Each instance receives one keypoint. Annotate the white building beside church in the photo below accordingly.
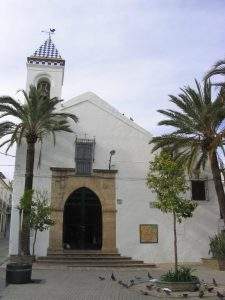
(102, 207)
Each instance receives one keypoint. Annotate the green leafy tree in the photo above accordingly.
(32, 120)
(40, 215)
(198, 132)
(166, 177)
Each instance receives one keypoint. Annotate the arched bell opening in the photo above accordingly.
(82, 221)
(44, 86)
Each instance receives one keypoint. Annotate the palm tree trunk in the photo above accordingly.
(25, 234)
(175, 241)
(218, 184)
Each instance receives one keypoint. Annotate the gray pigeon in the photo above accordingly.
(219, 295)
(144, 293)
(113, 277)
(101, 278)
(214, 282)
(201, 294)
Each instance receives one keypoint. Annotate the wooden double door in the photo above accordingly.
(82, 221)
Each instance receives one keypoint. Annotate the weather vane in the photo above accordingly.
(49, 32)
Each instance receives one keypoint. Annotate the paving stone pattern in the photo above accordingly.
(82, 284)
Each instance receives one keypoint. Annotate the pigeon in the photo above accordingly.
(113, 277)
(201, 294)
(125, 285)
(185, 295)
(153, 280)
(219, 295)
(149, 287)
(214, 282)
(101, 278)
(167, 291)
(149, 276)
(210, 289)
(144, 293)
(132, 281)
(120, 282)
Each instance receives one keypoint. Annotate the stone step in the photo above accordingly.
(89, 261)
(96, 264)
(82, 257)
(82, 252)
(93, 258)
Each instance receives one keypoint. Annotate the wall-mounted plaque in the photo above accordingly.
(148, 233)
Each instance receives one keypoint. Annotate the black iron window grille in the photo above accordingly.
(84, 156)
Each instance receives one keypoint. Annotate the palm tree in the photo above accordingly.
(217, 69)
(199, 131)
(35, 119)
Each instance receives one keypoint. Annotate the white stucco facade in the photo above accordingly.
(113, 131)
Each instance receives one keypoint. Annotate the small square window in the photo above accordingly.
(198, 190)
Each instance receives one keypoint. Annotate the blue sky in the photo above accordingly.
(132, 53)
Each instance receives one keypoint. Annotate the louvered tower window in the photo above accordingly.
(44, 86)
(84, 156)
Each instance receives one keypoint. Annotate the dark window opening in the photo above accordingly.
(84, 156)
(198, 190)
(44, 86)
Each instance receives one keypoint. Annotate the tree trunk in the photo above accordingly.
(35, 237)
(218, 184)
(25, 234)
(19, 242)
(175, 241)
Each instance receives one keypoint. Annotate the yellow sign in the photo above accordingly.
(148, 233)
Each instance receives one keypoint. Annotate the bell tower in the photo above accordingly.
(45, 69)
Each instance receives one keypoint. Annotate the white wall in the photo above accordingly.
(133, 152)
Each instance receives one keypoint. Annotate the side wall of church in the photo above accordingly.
(133, 153)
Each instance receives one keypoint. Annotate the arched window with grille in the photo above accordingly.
(44, 86)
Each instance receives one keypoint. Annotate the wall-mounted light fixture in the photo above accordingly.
(111, 153)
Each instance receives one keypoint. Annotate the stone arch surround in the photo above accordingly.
(102, 183)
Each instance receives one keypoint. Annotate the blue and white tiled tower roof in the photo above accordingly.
(47, 54)
(48, 50)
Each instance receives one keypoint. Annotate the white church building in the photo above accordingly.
(96, 182)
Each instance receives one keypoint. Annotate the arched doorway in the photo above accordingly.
(82, 221)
